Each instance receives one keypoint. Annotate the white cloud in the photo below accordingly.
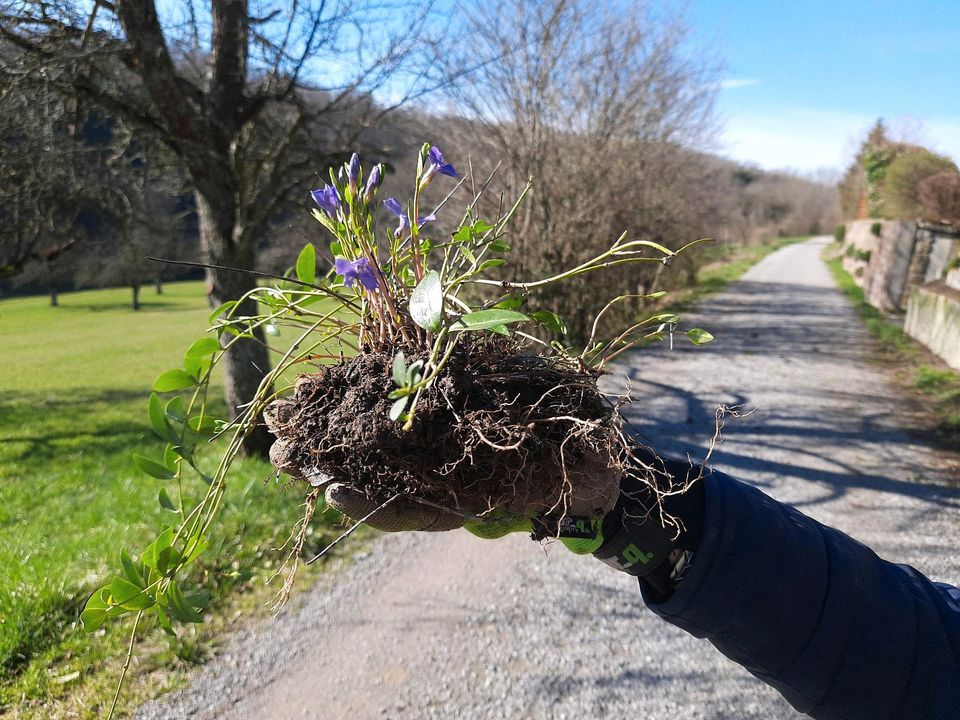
(732, 83)
(804, 139)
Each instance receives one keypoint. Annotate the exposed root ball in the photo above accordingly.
(497, 430)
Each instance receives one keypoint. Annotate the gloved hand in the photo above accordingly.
(652, 540)
(406, 513)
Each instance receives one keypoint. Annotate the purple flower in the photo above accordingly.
(353, 270)
(327, 198)
(395, 208)
(353, 171)
(373, 182)
(437, 163)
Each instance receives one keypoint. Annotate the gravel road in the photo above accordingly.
(448, 626)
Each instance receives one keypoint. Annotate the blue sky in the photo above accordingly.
(805, 78)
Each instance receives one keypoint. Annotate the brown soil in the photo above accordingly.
(497, 430)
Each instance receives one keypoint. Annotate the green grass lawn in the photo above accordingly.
(74, 386)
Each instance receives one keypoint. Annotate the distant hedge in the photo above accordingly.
(903, 180)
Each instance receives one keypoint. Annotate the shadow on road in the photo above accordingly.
(768, 355)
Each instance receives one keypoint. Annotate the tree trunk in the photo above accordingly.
(135, 289)
(247, 361)
(54, 298)
(159, 286)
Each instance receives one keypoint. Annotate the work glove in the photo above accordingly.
(646, 533)
(580, 517)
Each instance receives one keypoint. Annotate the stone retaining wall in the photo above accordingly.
(903, 255)
(933, 318)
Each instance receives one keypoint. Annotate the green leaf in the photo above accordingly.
(171, 458)
(173, 380)
(153, 468)
(396, 410)
(176, 410)
(499, 246)
(195, 545)
(426, 302)
(413, 373)
(468, 255)
(203, 424)
(164, 621)
(512, 303)
(126, 594)
(199, 599)
(551, 320)
(663, 318)
(487, 264)
(95, 611)
(165, 502)
(500, 330)
(224, 307)
(307, 264)
(133, 571)
(399, 369)
(698, 336)
(336, 248)
(482, 226)
(197, 365)
(150, 555)
(202, 347)
(179, 606)
(486, 319)
(462, 235)
(158, 420)
(167, 558)
(398, 393)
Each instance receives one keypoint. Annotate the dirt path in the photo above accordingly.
(447, 626)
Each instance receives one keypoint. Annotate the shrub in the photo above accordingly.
(904, 176)
(863, 255)
(839, 233)
(876, 229)
(939, 197)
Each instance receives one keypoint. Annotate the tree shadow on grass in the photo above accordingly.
(145, 306)
(38, 429)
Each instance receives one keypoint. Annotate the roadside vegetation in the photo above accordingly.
(917, 369)
(73, 400)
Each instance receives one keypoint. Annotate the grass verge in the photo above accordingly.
(917, 369)
(73, 396)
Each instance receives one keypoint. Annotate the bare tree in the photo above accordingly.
(594, 101)
(225, 87)
(42, 190)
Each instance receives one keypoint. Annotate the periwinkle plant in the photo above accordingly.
(395, 291)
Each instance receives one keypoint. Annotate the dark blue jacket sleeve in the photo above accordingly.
(839, 632)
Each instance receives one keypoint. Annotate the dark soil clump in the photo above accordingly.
(497, 430)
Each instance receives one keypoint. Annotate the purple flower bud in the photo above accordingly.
(354, 270)
(327, 198)
(373, 182)
(438, 164)
(353, 171)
